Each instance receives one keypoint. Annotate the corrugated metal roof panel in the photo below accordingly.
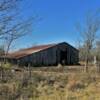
(28, 51)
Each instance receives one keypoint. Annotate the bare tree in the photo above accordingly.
(18, 31)
(7, 15)
(11, 27)
(88, 32)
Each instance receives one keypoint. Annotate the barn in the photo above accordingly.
(46, 55)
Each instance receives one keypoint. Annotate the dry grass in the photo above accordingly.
(52, 84)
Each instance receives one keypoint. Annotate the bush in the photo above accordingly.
(7, 65)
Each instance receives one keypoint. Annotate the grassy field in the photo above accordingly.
(68, 83)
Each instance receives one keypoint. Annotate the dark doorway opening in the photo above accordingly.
(63, 57)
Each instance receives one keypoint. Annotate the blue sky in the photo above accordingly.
(59, 18)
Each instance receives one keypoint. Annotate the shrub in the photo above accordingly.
(7, 65)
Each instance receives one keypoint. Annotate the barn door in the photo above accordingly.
(63, 57)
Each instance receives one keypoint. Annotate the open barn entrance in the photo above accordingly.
(63, 57)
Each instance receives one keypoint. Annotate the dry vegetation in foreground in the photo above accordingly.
(51, 84)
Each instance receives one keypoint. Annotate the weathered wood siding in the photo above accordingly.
(45, 57)
(52, 56)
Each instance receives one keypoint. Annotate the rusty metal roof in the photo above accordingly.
(34, 49)
(28, 51)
